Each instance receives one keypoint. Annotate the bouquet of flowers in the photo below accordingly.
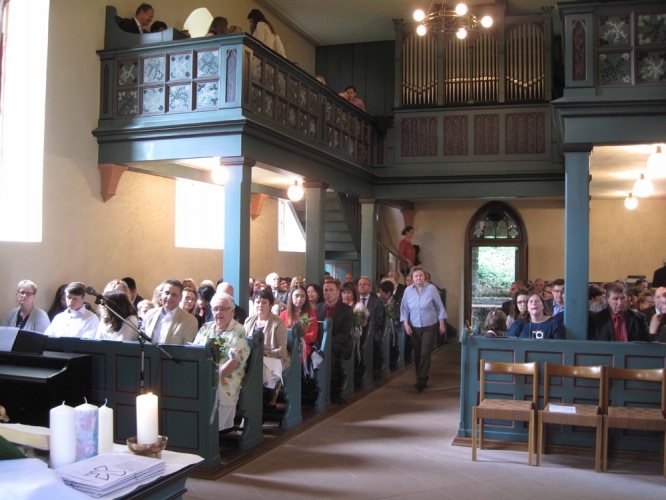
(303, 326)
(392, 310)
(218, 354)
(360, 319)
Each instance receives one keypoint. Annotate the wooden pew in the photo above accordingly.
(367, 345)
(400, 339)
(251, 400)
(323, 374)
(347, 375)
(292, 380)
(385, 349)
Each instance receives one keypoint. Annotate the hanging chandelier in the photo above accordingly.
(459, 21)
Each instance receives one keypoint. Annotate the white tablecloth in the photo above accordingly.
(31, 479)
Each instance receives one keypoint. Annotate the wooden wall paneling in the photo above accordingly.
(359, 69)
(375, 78)
(333, 67)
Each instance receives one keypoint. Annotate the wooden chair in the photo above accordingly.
(645, 419)
(506, 409)
(586, 415)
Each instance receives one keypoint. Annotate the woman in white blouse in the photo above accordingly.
(263, 31)
(110, 326)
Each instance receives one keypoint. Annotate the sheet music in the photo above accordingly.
(562, 409)
(7, 337)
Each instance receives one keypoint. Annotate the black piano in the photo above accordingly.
(32, 384)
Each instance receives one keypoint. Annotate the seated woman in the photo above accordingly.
(27, 316)
(275, 340)
(142, 308)
(297, 280)
(110, 326)
(538, 324)
(495, 324)
(119, 285)
(231, 357)
(315, 294)
(298, 306)
(157, 296)
(189, 301)
(219, 26)
(59, 302)
(517, 308)
(204, 311)
(190, 283)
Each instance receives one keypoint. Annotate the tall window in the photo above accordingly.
(22, 111)
(291, 237)
(495, 256)
(199, 215)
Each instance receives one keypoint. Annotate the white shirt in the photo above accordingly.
(125, 333)
(162, 325)
(139, 25)
(81, 323)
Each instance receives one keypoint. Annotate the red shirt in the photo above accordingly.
(331, 310)
(407, 251)
(619, 327)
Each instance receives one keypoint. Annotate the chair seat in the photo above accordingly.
(586, 415)
(646, 419)
(505, 409)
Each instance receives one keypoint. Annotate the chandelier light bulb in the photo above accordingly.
(643, 187)
(219, 175)
(486, 21)
(421, 30)
(419, 15)
(461, 33)
(630, 202)
(295, 192)
(461, 9)
(656, 164)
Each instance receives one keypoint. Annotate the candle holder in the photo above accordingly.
(148, 450)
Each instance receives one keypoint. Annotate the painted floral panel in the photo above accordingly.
(304, 123)
(152, 100)
(255, 99)
(313, 103)
(615, 69)
(651, 67)
(282, 113)
(329, 111)
(180, 66)
(269, 106)
(208, 95)
(154, 69)
(256, 69)
(293, 90)
(313, 128)
(128, 73)
(208, 63)
(292, 118)
(180, 98)
(651, 29)
(304, 98)
(614, 31)
(127, 102)
(282, 84)
(269, 77)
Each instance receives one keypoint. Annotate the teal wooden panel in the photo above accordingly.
(125, 421)
(182, 428)
(98, 375)
(128, 373)
(180, 380)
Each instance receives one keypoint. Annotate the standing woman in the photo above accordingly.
(424, 317)
(27, 316)
(298, 306)
(406, 250)
(263, 31)
(275, 336)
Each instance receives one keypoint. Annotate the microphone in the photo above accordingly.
(98, 296)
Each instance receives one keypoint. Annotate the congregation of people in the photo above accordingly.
(617, 312)
(260, 29)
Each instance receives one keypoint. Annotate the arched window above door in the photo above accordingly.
(495, 222)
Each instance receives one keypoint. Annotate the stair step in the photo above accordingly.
(333, 217)
(332, 205)
(339, 236)
(335, 246)
(336, 226)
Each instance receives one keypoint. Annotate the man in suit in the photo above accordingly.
(617, 322)
(342, 317)
(651, 311)
(273, 280)
(659, 278)
(556, 304)
(375, 306)
(169, 324)
(131, 284)
(140, 22)
(399, 287)
(240, 315)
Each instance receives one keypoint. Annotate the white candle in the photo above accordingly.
(146, 419)
(86, 431)
(105, 435)
(63, 435)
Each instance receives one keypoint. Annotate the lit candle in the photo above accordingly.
(86, 431)
(63, 435)
(105, 436)
(146, 419)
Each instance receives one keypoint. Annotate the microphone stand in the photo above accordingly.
(141, 337)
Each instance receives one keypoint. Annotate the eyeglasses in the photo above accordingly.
(221, 309)
(27, 294)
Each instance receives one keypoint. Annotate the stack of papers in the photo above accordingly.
(104, 474)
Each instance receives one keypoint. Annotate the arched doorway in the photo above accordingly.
(495, 255)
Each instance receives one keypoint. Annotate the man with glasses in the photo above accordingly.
(27, 316)
(76, 320)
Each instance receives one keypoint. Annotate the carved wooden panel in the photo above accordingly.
(579, 59)
(486, 134)
(455, 135)
(418, 136)
(526, 133)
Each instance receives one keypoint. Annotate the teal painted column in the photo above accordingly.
(576, 239)
(369, 240)
(237, 194)
(315, 231)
